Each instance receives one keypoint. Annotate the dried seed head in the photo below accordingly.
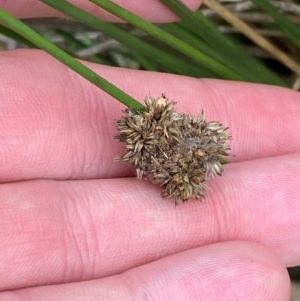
(172, 149)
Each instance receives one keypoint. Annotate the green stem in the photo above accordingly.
(292, 30)
(168, 39)
(11, 34)
(173, 62)
(32, 36)
(233, 56)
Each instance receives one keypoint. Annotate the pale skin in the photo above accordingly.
(74, 225)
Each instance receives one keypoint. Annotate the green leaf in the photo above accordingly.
(233, 55)
(171, 61)
(291, 29)
(144, 62)
(167, 38)
(181, 31)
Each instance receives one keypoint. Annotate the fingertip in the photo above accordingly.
(224, 271)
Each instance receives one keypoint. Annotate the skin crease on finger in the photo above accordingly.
(152, 10)
(65, 231)
(55, 124)
(224, 271)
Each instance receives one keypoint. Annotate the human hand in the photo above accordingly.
(70, 217)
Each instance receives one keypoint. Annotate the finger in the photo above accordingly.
(152, 10)
(55, 124)
(224, 271)
(56, 232)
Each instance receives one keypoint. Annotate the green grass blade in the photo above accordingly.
(292, 30)
(144, 62)
(170, 61)
(235, 56)
(168, 39)
(182, 32)
(32, 36)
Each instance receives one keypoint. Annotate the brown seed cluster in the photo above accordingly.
(175, 150)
